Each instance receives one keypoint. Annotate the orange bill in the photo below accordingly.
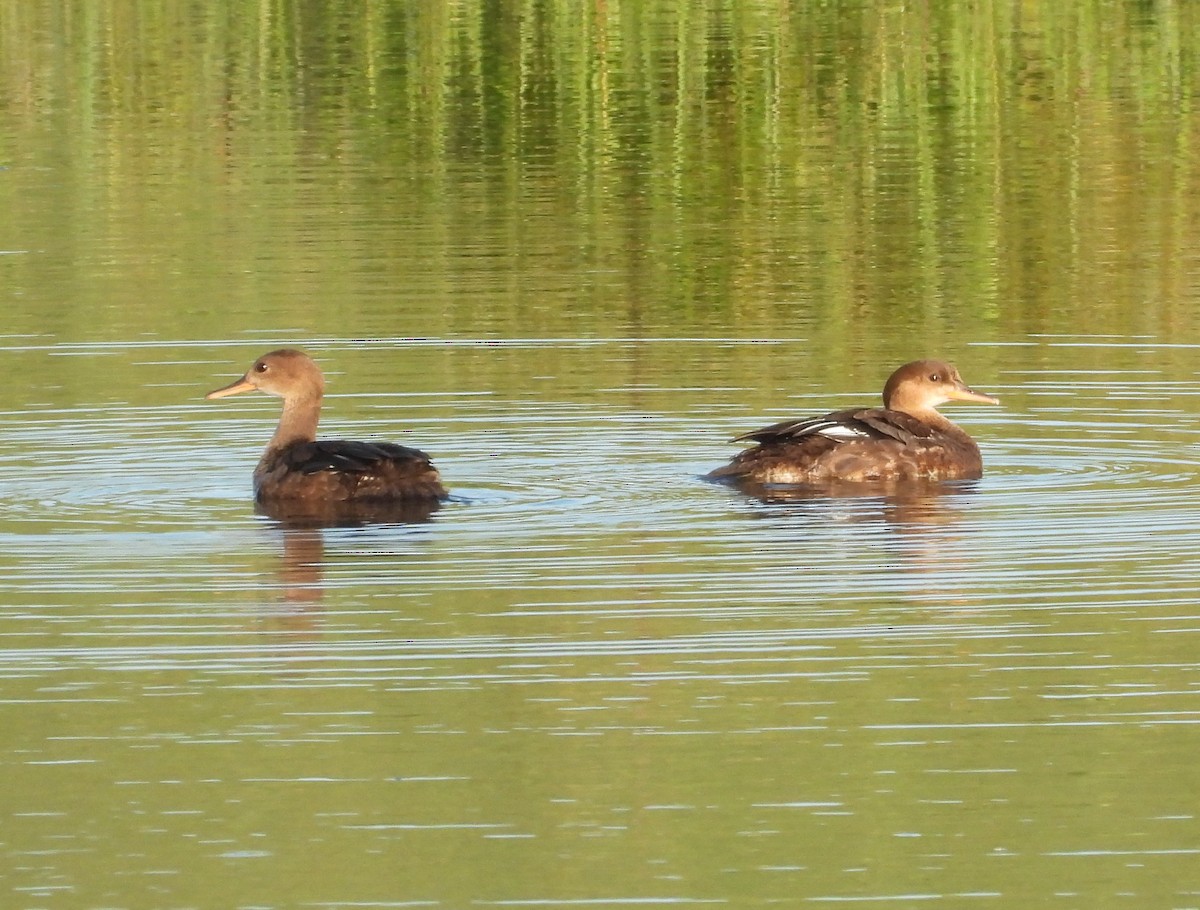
(234, 388)
(962, 393)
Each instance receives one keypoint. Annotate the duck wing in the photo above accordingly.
(845, 426)
(349, 456)
(338, 469)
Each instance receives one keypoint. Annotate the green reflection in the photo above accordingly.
(748, 167)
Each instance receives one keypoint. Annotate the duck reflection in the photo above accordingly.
(924, 527)
(297, 514)
(907, 505)
(303, 528)
(291, 613)
(302, 567)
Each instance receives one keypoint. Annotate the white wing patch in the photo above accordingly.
(833, 430)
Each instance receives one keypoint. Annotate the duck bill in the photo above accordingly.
(234, 388)
(962, 393)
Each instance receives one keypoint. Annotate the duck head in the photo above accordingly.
(919, 387)
(286, 373)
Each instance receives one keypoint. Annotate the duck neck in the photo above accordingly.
(298, 422)
(933, 418)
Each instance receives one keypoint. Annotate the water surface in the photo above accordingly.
(570, 252)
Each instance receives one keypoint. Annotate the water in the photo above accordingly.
(592, 660)
(571, 255)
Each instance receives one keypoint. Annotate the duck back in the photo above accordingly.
(343, 470)
(864, 445)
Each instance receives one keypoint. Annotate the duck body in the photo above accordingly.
(296, 467)
(905, 440)
(340, 470)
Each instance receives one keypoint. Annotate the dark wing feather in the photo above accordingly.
(895, 425)
(348, 456)
(344, 470)
(844, 426)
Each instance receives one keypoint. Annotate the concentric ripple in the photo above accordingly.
(573, 516)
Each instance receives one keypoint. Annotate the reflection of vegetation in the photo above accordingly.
(899, 164)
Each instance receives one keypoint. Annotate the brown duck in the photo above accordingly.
(297, 468)
(906, 439)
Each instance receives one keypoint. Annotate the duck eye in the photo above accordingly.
(260, 367)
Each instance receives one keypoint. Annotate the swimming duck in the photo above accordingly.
(906, 439)
(297, 468)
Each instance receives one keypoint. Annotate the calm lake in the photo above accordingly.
(570, 250)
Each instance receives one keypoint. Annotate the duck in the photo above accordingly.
(297, 468)
(907, 439)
